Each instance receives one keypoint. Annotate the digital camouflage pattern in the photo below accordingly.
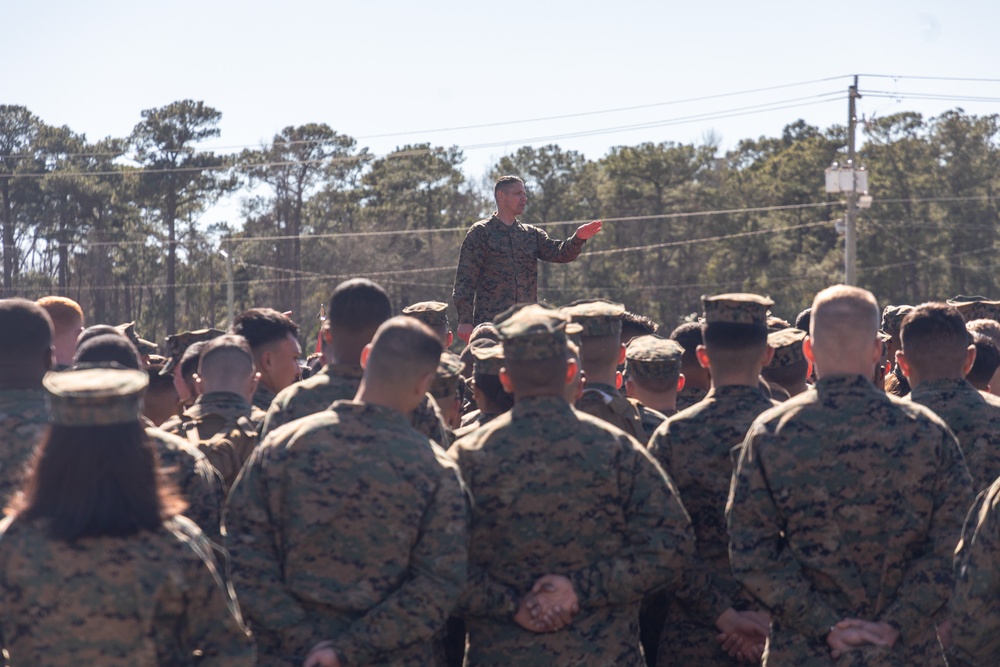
(428, 421)
(351, 527)
(559, 492)
(597, 317)
(976, 308)
(333, 382)
(489, 357)
(607, 404)
(532, 333)
(848, 502)
(194, 477)
(650, 419)
(974, 418)
(695, 448)
(449, 374)
(153, 598)
(98, 396)
(498, 267)
(432, 313)
(212, 412)
(892, 319)
(689, 396)
(177, 344)
(975, 600)
(653, 357)
(263, 397)
(736, 309)
(24, 421)
(787, 345)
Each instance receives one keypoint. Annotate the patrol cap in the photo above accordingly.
(736, 309)
(144, 346)
(532, 332)
(178, 343)
(598, 317)
(892, 318)
(432, 313)
(976, 308)
(95, 395)
(787, 345)
(488, 355)
(653, 357)
(449, 370)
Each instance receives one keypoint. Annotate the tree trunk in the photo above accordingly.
(8, 240)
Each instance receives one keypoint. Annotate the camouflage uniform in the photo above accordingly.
(177, 344)
(973, 417)
(560, 492)
(334, 382)
(263, 397)
(194, 477)
(695, 449)
(975, 601)
(498, 267)
(655, 358)
(848, 503)
(348, 526)
(976, 308)
(153, 598)
(895, 382)
(427, 420)
(24, 419)
(689, 396)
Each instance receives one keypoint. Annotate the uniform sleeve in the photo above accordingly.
(253, 540)
(274, 417)
(211, 624)
(202, 489)
(927, 583)
(418, 609)
(975, 602)
(552, 250)
(659, 543)
(470, 263)
(760, 559)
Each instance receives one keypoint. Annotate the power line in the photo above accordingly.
(929, 78)
(887, 94)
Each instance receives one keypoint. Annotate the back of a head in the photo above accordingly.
(986, 364)
(988, 328)
(191, 359)
(403, 350)
(935, 341)
(635, 325)
(226, 360)
(96, 330)
(688, 336)
(262, 326)
(844, 326)
(484, 331)
(803, 319)
(358, 305)
(66, 314)
(108, 348)
(25, 333)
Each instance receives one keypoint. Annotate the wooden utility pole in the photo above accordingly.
(850, 231)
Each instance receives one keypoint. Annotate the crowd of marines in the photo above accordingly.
(576, 486)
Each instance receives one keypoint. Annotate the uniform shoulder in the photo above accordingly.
(916, 412)
(168, 443)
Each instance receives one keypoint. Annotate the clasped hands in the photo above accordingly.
(549, 606)
(852, 633)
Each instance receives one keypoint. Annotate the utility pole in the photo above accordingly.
(851, 231)
(230, 305)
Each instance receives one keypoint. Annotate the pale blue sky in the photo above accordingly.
(390, 67)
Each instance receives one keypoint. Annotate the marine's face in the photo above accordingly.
(514, 199)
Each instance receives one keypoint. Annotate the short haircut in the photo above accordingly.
(935, 340)
(95, 331)
(494, 392)
(403, 349)
(657, 385)
(787, 376)
(689, 337)
(803, 319)
(358, 305)
(538, 374)
(734, 337)
(65, 313)
(25, 331)
(108, 348)
(158, 382)
(988, 328)
(602, 351)
(486, 331)
(986, 364)
(226, 355)
(191, 358)
(842, 317)
(262, 326)
(505, 183)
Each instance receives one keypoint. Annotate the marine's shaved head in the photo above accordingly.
(843, 331)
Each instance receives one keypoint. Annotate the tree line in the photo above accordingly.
(114, 224)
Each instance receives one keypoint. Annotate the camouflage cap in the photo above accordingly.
(178, 343)
(449, 371)
(653, 357)
(489, 357)
(432, 313)
(144, 346)
(532, 333)
(597, 317)
(892, 318)
(976, 308)
(787, 345)
(95, 395)
(736, 309)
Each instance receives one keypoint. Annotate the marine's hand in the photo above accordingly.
(743, 634)
(944, 634)
(587, 230)
(852, 633)
(322, 655)
(552, 601)
(464, 331)
(524, 619)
